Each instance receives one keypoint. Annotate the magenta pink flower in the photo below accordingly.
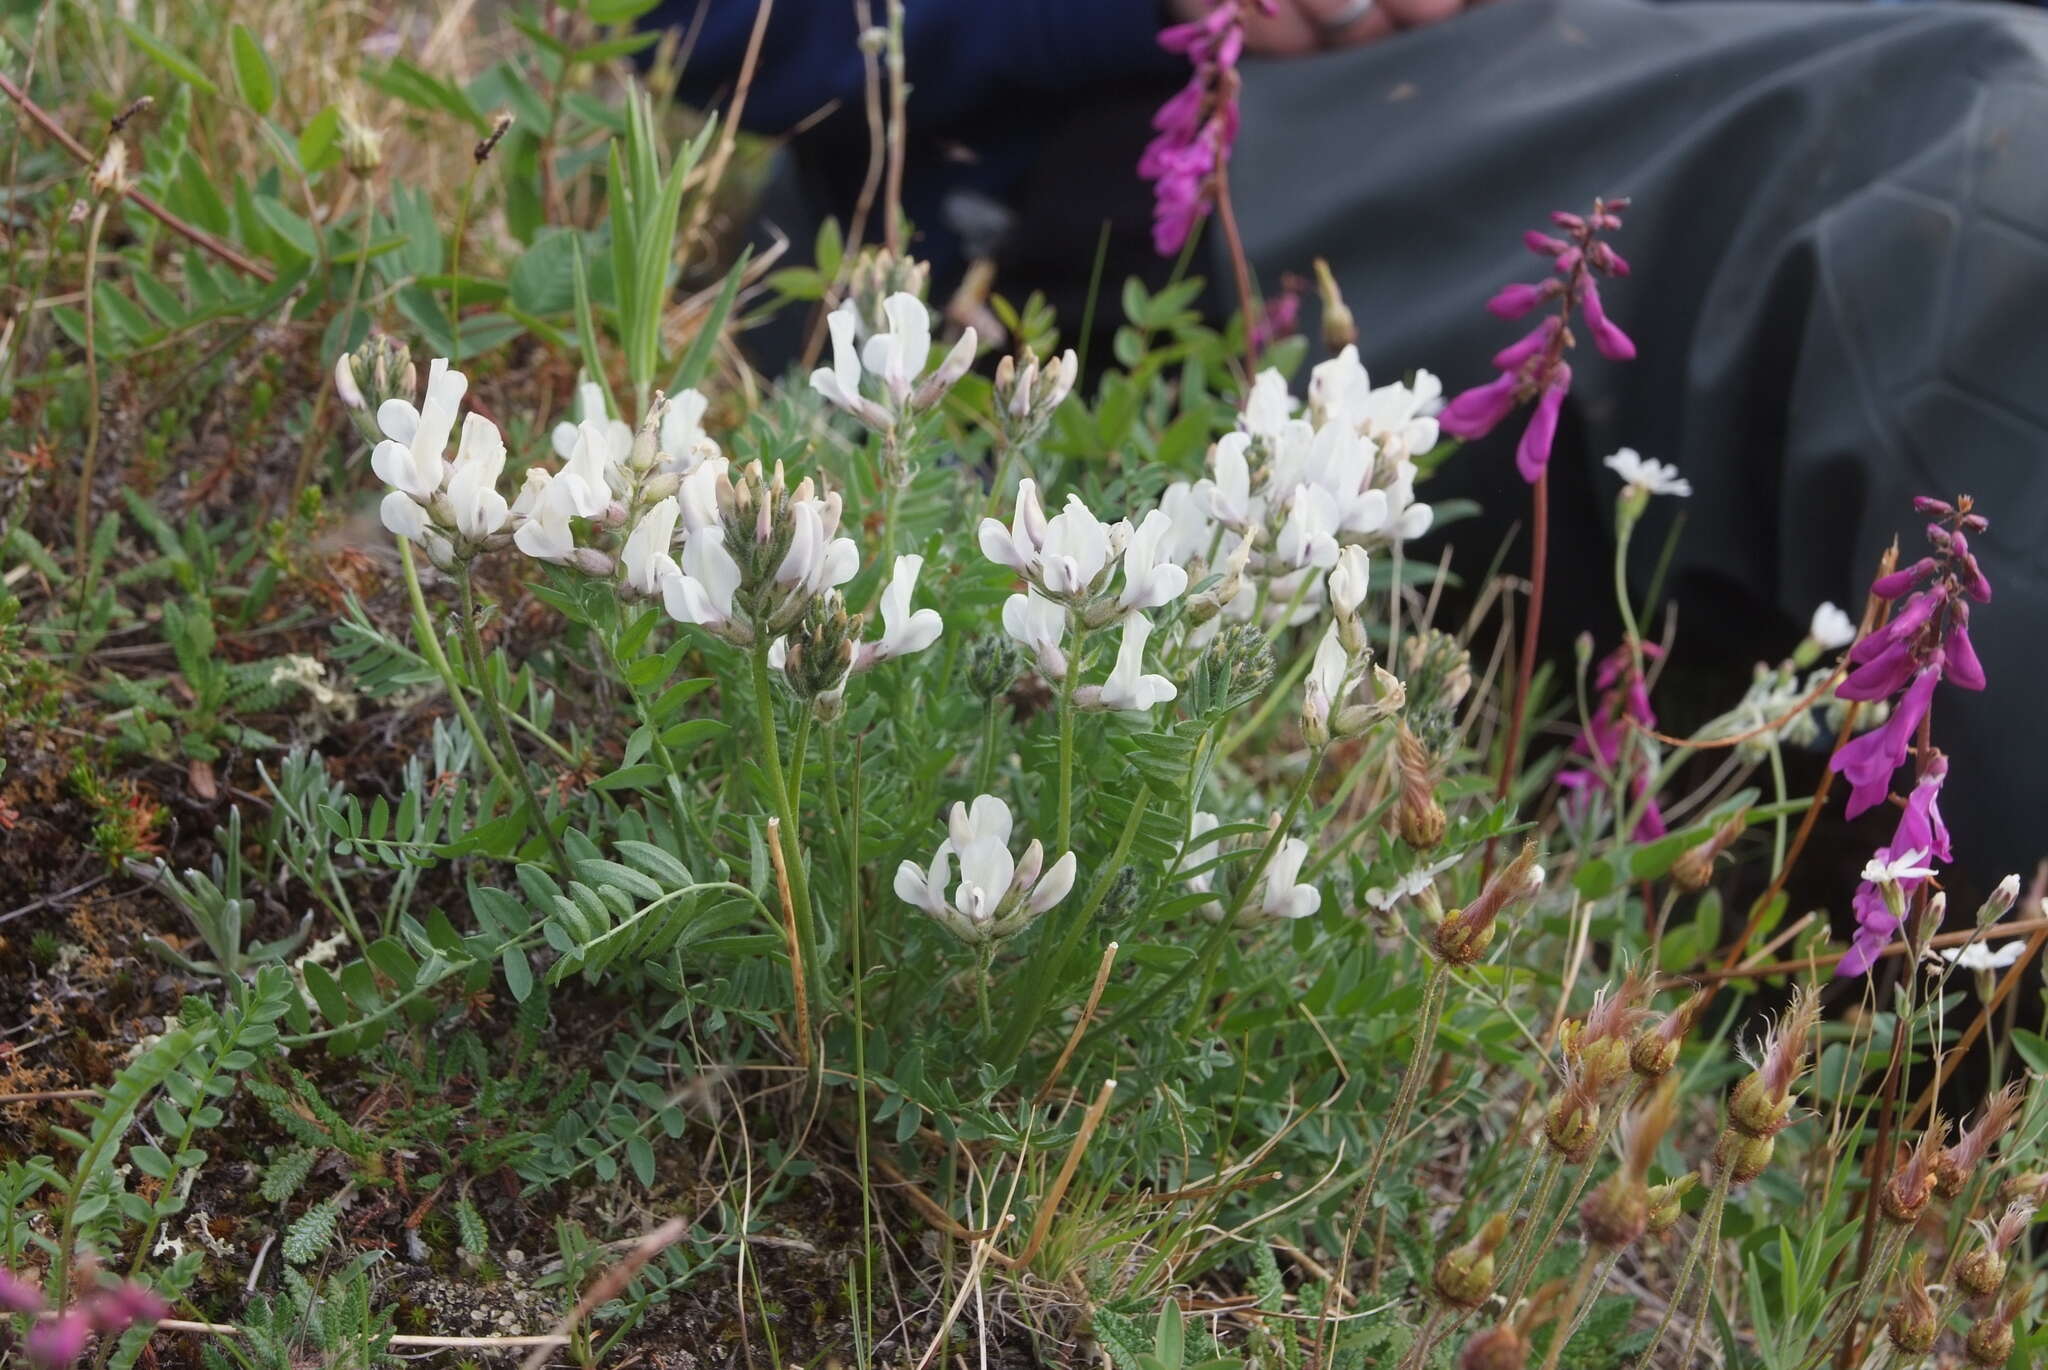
(1195, 130)
(56, 1344)
(1534, 368)
(1925, 641)
(18, 1295)
(1920, 830)
(1624, 699)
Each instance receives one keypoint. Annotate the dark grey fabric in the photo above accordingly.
(1840, 243)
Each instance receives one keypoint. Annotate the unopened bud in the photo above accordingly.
(1617, 1212)
(1464, 934)
(992, 665)
(110, 177)
(1667, 1203)
(1389, 695)
(1340, 330)
(2000, 902)
(1981, 1272)
(1463, 1277)
(362, 147)
(1990, 1340)
(1572, 1124)
(1695, 869)
(1906, 1193)
(1912, 1321)
(1655, 1050)
(1501, 1347)
(1742, 1157)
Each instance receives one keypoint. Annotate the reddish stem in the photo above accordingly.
(1525, 668)
(1239, 266)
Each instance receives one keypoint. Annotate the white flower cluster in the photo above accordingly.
(894, 358)
(1343, 660)
(998, 895)
(1071, 561)
(1286, 493)
(454, 510)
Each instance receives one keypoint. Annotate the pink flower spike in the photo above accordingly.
(1899, 627)
(116, 1309)
(1867, 762)
(1920, 826)
(1478, 411)
(1608, 339)
(1567, 220)
(1965, 671)
(58, 1343)
(1532, 454)
(1900, 581)
(18, 1295)
(1542, 244)
(1516, 354)
(1513, 301)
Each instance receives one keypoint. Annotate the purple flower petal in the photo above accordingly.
(1964, 669)
(1516, 354)
(1867, 762)
(1608, 339)
(1478, 411)
(1882, 676)
(1898, 582)
(1513, 301)
(1532, 453)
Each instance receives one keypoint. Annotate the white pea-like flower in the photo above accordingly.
(1151, 579)
(1282, 896)
(903, 631)
(1308, 537)
(1349, 581)
(1230, 487)
(613, 437)
(1019, 545)
(1129, 688)
(996, 895)
(896, 357)
(474, 503)
(1648, 477)
(1329, 680)
(1039, 625)
(684, 443)
(1076, 549)
(646, 561)
(1831, 628)
(412, 456)
(701, 590)
(1408, 886)
(1267, 406)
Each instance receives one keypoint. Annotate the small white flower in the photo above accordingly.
(1283, 898)
(701, 590)
(1230, 492)
(345, 382)
(1201, 854)
(813, 563)
(405, 516)
(1349, 581)
(1267, 406)
(1150, 577)
(897, 355)
(1077, 547)
(581, 486)
(1409, 885)
(473, 499)
(1329, 679)
(1019, 545)
(1127, 688)
(545, 534)
(903, 632)
(840, 382)
(646, 561)
(411, 456)
(996, 895)
(614, 437)
(1035, 622)
(1983, 956)
(1650, 477)
(684, 443)
(1887, 869)
(1308, 538)
(1339, 388)
(1831, 628)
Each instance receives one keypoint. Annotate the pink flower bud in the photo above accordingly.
(1513, 301)
(1608, 338)
(1478, 411)
(58, 1343)
(1532, 454)
(18, 1295)
(1542, 244)
(1517, 354)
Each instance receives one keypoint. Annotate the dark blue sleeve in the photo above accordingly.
(964, 56)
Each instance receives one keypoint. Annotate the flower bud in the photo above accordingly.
(1906, 1193)
(2000, 902)
(110, 177)
(1741, 1156)
(1500, 1347)
(992, 665)
(1655, 1050)
(18, 1295)
(1695, 869)
(1912, 1321)
(1616, 1213)
(379, 369)
(1235, 669)
(1761, 1105)
(362, 147)
(1990, 1340)
(1340, 330)
(1667, 1203)
(1572, 1122)
(1464, 934)
(591, 562)
(1120, 901)
(58, 1343)
(1981, 1272)
(1417, 814)
(1388, 697)
(1463, 1277)
(1955, 1165)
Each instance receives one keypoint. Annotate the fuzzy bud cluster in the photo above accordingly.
(1463, 935)
(1667, 1203)
(1989, 1342)
(380, 369)
(1980, 1273)
(1234, 669)
(1418, 816)
(1956, 1164)
(1463, 1277)
(1694, 870)
(1913, 1321)
(1905, 1194)
(992, 665)
(1656, 1048)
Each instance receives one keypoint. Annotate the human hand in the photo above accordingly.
(1295, 28)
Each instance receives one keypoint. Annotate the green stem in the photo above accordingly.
(1066, 823)
(785, 810)
(496, 710)
(430, 646)
(1710, 1222)
(1537, 1208)
(985, 768)
(81, 519)
(1607, 1126)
